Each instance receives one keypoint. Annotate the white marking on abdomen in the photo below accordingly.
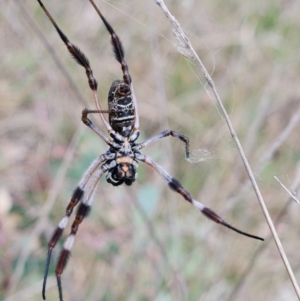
(124, 118)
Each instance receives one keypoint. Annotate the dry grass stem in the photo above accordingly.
(292, 194)
(267, 156)
(187, 50)
(259, 251)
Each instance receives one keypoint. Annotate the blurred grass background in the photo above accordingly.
(145, 242)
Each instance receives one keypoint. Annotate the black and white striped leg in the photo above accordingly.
(176, 186)
(82, 212)
(164, 134)
(76, 197)
(82, 60)
(117, 46)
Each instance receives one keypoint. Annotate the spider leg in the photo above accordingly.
(119, 55)
(164, 134)
(82, 212)
(136, 120)
(90, 124)
(82, 60)
(77, 196)
(176, 186)
(117, 46)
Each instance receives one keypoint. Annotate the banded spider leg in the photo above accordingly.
(86, 192)
(176, 186)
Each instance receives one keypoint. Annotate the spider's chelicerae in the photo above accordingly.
(121, 160)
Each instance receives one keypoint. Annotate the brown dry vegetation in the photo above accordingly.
(144, 242)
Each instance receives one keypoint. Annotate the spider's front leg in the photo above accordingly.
(176, 186)
(164, 134)
(82, 60)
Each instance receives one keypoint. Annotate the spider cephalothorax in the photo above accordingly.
(123, 166)
(121, 173)
(121, 159)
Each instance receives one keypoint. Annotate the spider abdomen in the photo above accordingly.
(121, 105)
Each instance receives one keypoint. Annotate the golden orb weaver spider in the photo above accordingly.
(121, 160)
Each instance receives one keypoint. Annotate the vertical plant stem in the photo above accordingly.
(187, 50)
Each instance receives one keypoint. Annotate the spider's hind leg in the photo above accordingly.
(82, 60)
(82, 212)
(77, 196)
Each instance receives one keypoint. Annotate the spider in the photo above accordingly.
(120, 161)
